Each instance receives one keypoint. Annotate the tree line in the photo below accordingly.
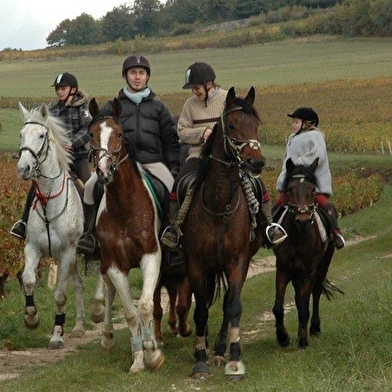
(151, 18)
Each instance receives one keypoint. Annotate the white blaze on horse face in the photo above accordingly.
(105, 137)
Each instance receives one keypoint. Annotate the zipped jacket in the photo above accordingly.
(150, 128)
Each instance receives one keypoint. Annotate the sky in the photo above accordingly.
(25, 24)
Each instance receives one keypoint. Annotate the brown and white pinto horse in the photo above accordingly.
(217, 231)
(303, 258)
(127, 230)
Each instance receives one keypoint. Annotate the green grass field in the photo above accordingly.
(284, 63)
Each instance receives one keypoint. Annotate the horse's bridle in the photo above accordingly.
(233, 146)
(112, 155)
(37, 156)
(309, 209)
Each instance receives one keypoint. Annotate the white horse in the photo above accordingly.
(55, 221)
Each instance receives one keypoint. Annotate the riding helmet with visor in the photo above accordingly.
(197, 74)
(306, 114)
(135, 61)
(65, 79)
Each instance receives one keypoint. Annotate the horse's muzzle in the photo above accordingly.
(253, 167)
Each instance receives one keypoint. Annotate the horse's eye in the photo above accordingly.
(230, 127)
(91, 135)
(41, 136)
(120, 134)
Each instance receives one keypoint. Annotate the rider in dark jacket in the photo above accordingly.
(149, 127)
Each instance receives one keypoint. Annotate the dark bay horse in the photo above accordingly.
(127, 230)
(304, 257)
(217, 231)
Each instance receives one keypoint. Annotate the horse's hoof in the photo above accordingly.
(154, 360)
(77, 332)
(303, 344)
(315, 330)
(31, 321)
(200, 371)
(107, 340)
(218, 361)
(56, 344)
(235, 370)
(98, 313)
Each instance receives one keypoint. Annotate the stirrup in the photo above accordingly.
(87, 244)
(18, 229)
(271, 228)
(170, 237)
(341, 238)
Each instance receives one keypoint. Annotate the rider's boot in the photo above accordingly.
(88, 243)
(337, 235)
(19, 228)
(274, 232)
(171, 235)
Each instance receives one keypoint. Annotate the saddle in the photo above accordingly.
(156, 186)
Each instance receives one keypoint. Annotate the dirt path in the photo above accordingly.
(13, 362)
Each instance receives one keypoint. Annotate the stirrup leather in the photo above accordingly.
(274, 226)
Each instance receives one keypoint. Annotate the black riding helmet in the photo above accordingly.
(306, 114)
(135, 61)
(65, 79)
(198, 73)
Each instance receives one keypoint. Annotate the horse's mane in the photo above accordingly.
(58, 135)
(300, 170)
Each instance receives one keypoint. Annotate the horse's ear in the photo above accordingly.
(251, 95)
(289, 165)
(24, 112)
(230, 96)
(117, 108)
(44, 111)
(93, 107)
(314, 165)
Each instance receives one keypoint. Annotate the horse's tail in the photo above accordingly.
(214, 287)
(330, 290)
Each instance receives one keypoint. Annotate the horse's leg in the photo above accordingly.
(32, 258)
(303, 291)
(172, 293)
(150, 267)
(78, 331)
(121, 283)
(322, 270)
(281, 281)
(158, 314)
(200, 317)
(66, 260)
(218, 359)
(235, 369)
(109, 292)
(184, 296)
(98, 308)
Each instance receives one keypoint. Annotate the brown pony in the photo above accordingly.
(304, 257)
(217, 241)
(127, 230)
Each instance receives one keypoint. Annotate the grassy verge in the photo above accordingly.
(352, 354)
